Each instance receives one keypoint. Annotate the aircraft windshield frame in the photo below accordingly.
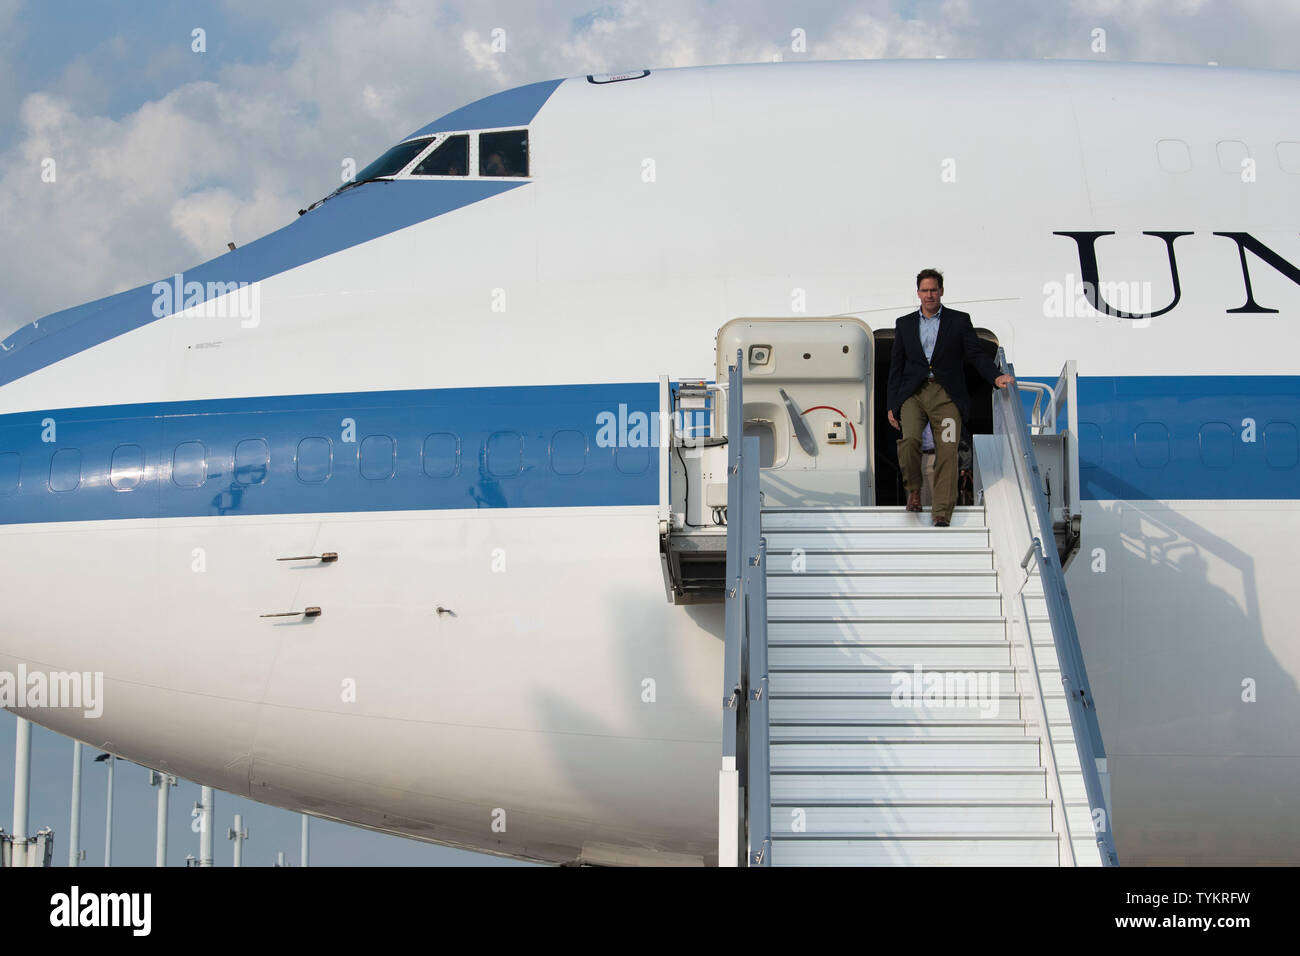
(400, 161)
(396, 159)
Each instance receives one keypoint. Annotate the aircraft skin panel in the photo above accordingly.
(1185, 617)
(657, 209)
(578, 709)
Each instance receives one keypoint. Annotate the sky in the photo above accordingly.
(173, 129)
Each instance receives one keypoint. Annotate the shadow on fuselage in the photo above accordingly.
(1197, 713)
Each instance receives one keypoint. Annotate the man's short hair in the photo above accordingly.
(934, 274)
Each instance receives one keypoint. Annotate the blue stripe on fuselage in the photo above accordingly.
(1176, 438)
(514, 447)
(515, 107)
(358, 215)
(1188, 437)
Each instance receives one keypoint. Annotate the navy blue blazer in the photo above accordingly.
(956, 345)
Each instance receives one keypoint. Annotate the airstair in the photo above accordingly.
(895, 693)
(906, 726)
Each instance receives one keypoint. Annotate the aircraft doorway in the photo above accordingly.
(889, 477)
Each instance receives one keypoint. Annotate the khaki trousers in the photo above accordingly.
(931, 403)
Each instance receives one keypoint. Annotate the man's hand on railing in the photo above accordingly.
(1002, 381)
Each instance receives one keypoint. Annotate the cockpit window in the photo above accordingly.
(451, 158)
(503, 154)
(395, 160)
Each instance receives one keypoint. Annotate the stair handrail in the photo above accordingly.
(1026, 636)
(731, 778)
(1074, 677)
(759, 777)
(745, 812)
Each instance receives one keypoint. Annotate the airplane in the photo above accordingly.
(330, 515)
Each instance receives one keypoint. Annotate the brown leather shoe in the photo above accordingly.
(914, 501)
(940, 522)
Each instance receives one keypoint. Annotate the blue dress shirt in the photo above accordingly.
(929, 332)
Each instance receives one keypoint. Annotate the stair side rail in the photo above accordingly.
(1009, 420)
(730, 781)
(744, 809)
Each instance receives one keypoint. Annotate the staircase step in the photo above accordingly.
(1087, 853)
(1037, 606)
(896, 729)
(781, 582)
(889, 539)
(890, 606)
(821, 818)
(861, 631)
(840, 519)
(868, 707)
(1072, 787)
(1081, 826)
(966, 559)
(907, 783)
(985, 849)
(932, 655)
(949, 654)
(1044, 653)
(927, 753)
(936, 688)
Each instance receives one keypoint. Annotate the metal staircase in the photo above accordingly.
(898, 732)
(896, 693)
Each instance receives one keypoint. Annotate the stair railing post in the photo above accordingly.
(759, 790)
(730, 780)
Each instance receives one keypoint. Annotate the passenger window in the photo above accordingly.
(451, 158)
(9, 462)
(127, 467)
(441, 455)
(632, 461)
(314, 455)
(1280, 447)
(189, 464)
(378, 453)
(568, 452)
(1218, 442)
(252, 461)
(1151, 442)
(503, 154)
(505, 454)
(65, 470)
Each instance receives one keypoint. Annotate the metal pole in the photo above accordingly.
(74, 824)
(205, 827)
(279, 858)
(239, 835)
(305, 820)
(108, 826)
(21, 788)
(164, 782)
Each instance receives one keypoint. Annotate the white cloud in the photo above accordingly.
(481, 53)
(167, 185)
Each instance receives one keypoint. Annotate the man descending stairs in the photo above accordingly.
(904, 723)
